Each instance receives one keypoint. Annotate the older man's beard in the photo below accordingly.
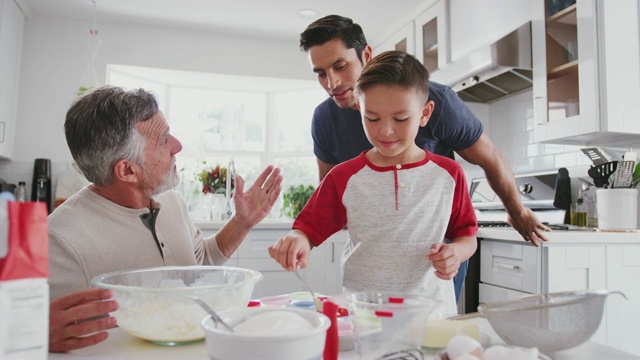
(169, 181)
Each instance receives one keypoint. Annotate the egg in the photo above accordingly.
(462, 345)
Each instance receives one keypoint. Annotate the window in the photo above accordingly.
(255, 121)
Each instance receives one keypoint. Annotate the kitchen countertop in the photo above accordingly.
(121, 345)
(564, 237)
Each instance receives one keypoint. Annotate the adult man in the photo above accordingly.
(128, 217)
(337, 51)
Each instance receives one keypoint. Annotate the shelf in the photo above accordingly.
(565, 16)
(563, 70)
(431, 50)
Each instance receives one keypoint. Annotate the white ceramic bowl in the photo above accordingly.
(301, 345)
(155, 303)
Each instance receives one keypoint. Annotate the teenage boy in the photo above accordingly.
(398, 201)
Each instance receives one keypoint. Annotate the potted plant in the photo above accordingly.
(295, 198)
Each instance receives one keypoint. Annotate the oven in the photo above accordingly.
(505, 266)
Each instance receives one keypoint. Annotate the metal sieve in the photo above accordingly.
(551, 322)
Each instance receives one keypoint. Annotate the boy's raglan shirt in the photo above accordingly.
(393, 214)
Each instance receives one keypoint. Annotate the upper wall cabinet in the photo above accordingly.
(11, 29)
(586, 68)
(432, 39)
(448, 30)
(476, 24)
(425, 36)
(401, 40)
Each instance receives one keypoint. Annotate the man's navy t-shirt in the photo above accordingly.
(338, 134)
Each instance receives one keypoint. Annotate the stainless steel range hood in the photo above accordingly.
(492, 72)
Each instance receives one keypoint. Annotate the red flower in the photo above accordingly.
(214, 180)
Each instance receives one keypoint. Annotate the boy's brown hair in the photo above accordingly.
(394, 68)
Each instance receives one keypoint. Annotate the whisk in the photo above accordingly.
(231, 174)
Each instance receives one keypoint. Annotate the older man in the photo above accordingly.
(129, 217)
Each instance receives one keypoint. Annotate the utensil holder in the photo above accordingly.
(617, 208)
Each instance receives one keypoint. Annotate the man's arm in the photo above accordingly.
(251, 207)
(80, 319)
(323, 168)
(501, 179)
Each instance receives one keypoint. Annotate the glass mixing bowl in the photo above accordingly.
(156, 304)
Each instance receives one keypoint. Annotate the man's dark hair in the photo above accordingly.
(334, 27)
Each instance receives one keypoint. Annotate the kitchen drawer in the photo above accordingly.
(509, 265)
(490, 293)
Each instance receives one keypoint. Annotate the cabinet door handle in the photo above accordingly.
(540, 110)
(506, 266)
(333, 252)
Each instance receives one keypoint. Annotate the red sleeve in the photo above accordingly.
(325, 214)
(463, 221)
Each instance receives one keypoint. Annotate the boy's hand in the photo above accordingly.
(291, 251)
(445, 260)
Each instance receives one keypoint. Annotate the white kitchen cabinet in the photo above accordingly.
(508, 271)
(491, 293)
(401, 40)
(331, 276)
(432, 38)
(569, 268)
(510, 265)
(11, 32)
(572, 268)
(586, 76)
(623, 272)
(322, 273)
(425, 36)
(475, 24)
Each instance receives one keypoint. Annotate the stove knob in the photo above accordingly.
(526, 188)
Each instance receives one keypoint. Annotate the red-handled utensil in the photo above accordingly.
(332, 342)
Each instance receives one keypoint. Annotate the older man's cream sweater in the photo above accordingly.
(90, 235)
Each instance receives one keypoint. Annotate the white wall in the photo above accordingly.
(510, 127)
(56, 54)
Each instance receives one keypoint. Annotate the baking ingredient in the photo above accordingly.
(270, 323)
(170, 317)
(440, 331)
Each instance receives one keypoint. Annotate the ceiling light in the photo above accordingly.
(308, 13)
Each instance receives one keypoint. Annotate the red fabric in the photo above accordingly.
(28, 255)
(332, 343)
